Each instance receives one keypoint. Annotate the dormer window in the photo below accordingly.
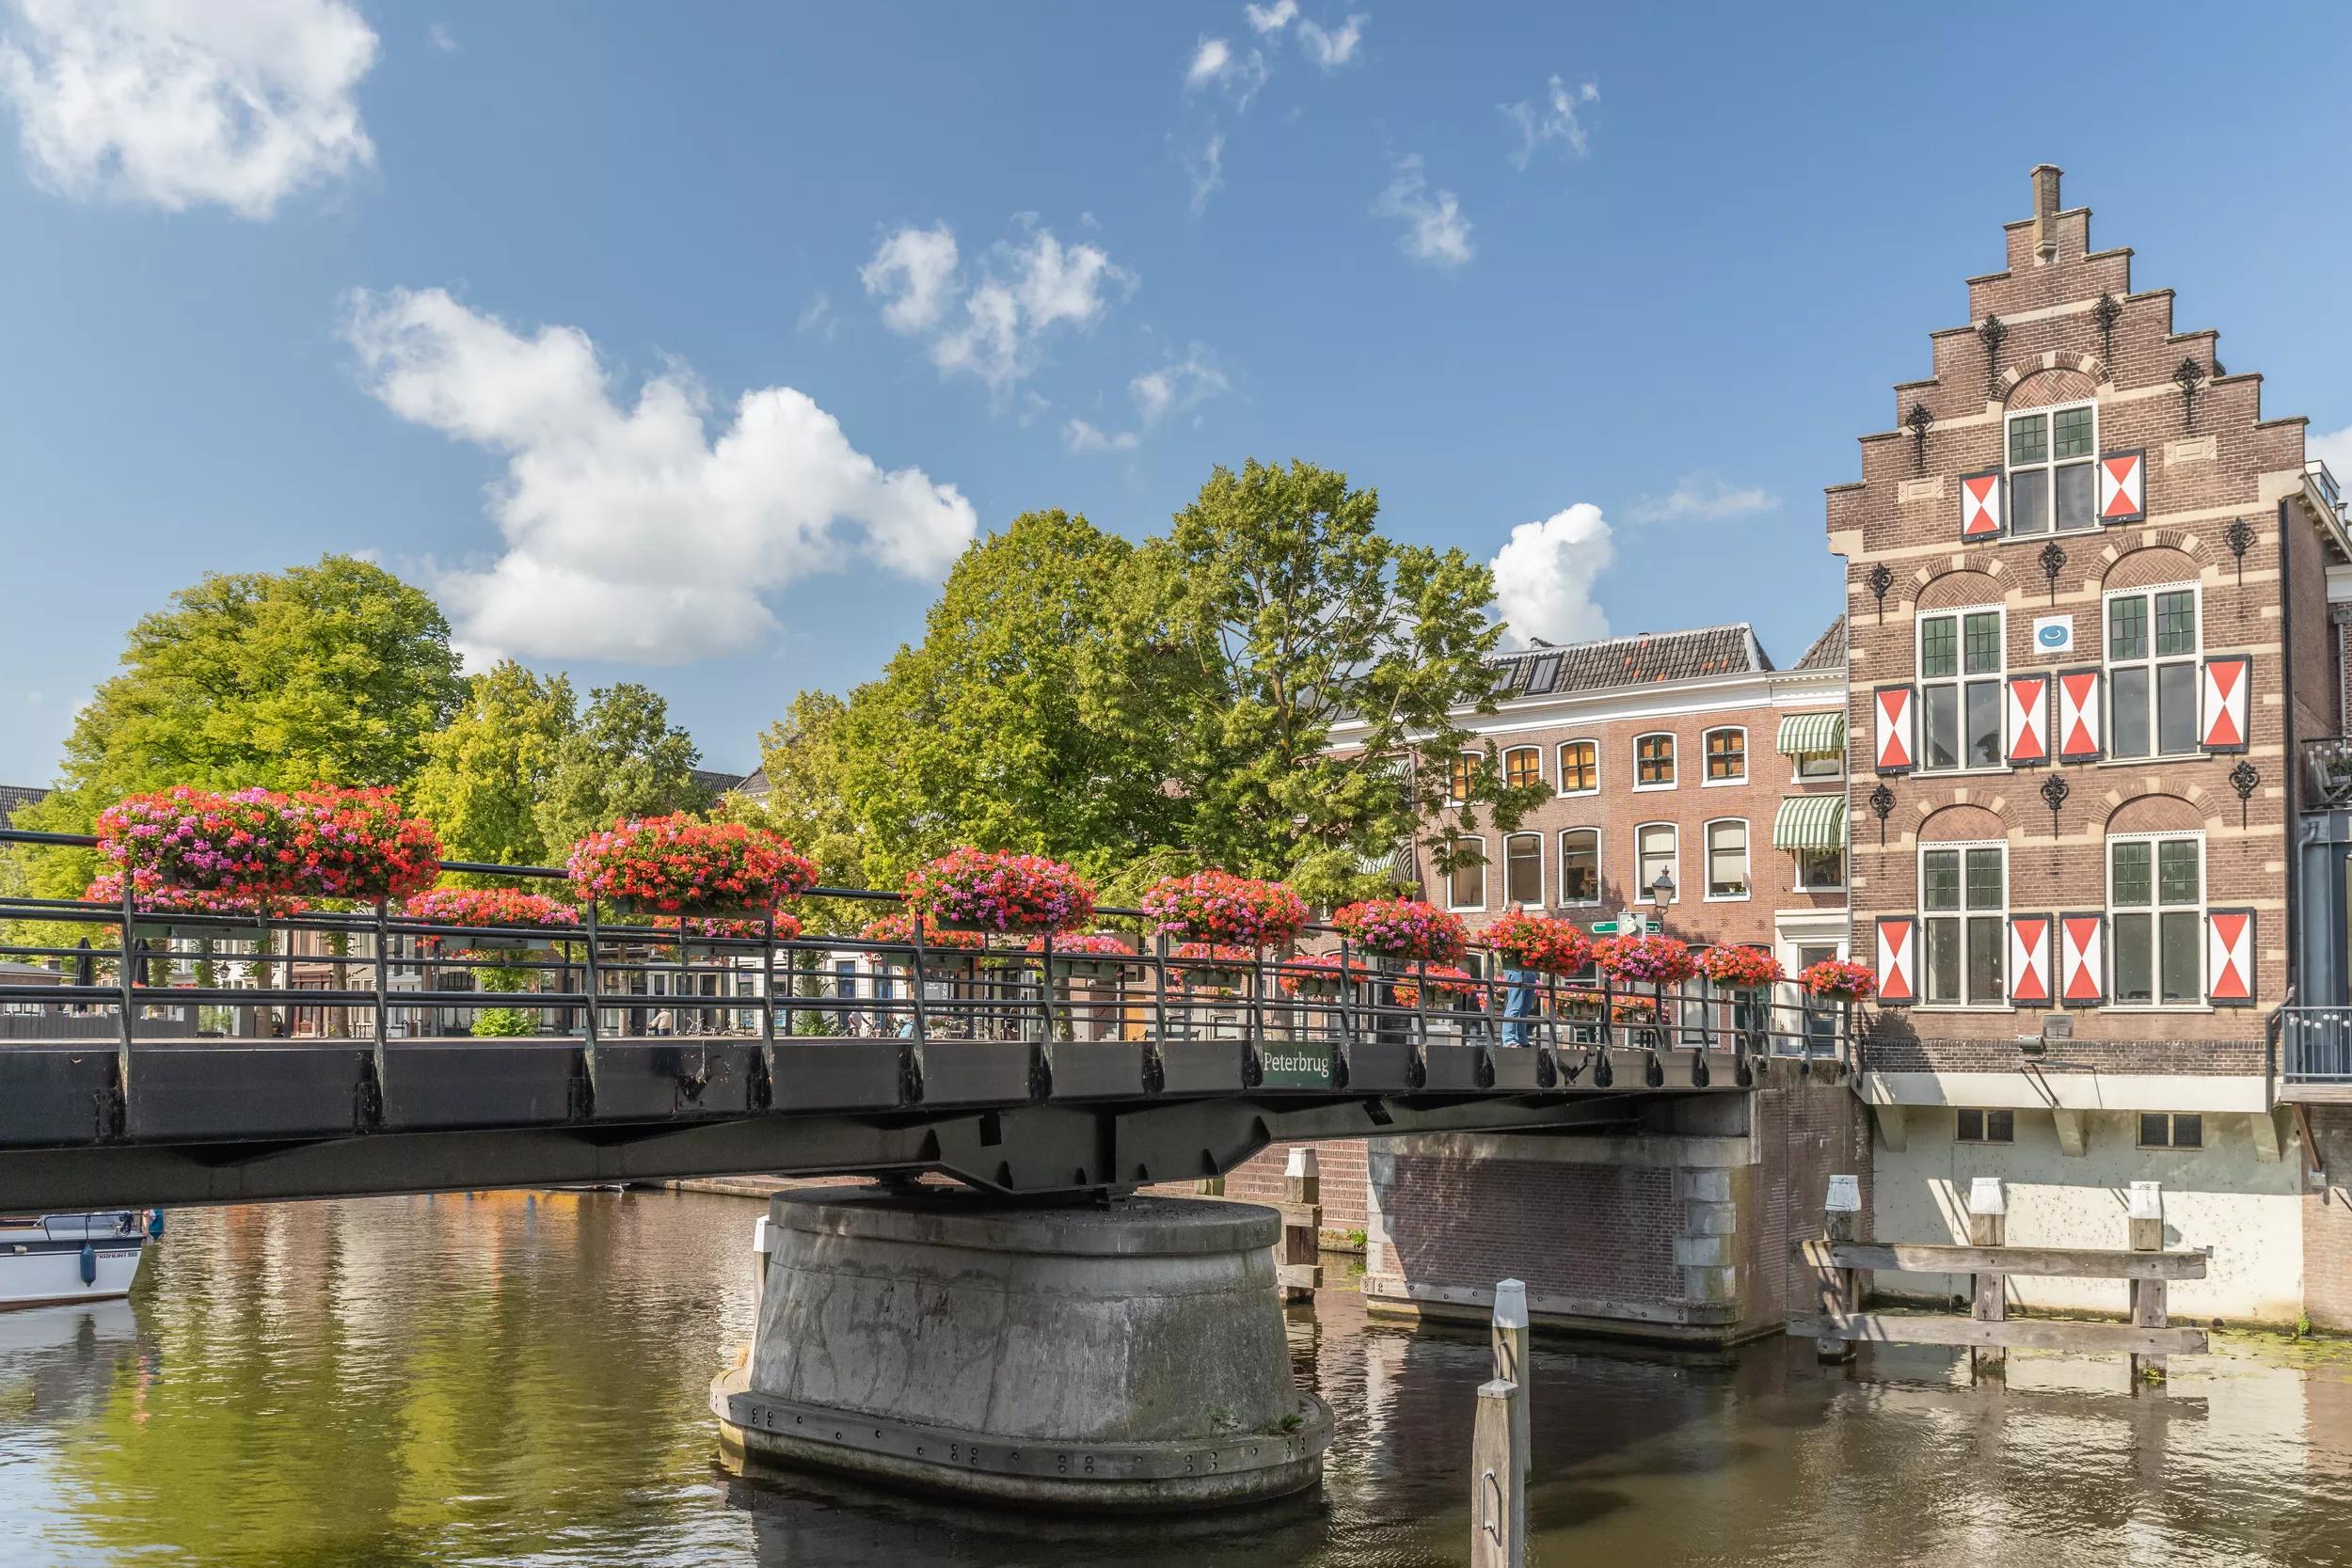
(2052, 470)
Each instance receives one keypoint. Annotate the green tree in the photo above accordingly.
(1301, 673)
(334, 672)
(624, 758)
(804, 756)
(487, 771)
(985, 734)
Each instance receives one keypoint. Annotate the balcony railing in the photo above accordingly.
(2315, 1044)
(2328, 773)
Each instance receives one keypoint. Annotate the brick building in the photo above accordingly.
(1684, 753)
(2088, 589)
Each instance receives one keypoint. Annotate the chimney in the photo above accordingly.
(2045, 210)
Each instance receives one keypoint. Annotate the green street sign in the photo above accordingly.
(1609, 929)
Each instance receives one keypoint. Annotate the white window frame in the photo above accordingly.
(1510, 752)
(2048, 466)
(1600, 869)
(1961, 681)
(1797, 775)
(2155, 910)
(1476, 759)
(1509, 902)
(1674, 758)
(1560, 768)
(1641, 892)
(1997, 912)
(2151, 662)
(1707, 734)
(1706, 859)
(1484, 866)
(1799, 884)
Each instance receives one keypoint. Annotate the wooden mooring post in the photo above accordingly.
(1497, 1483)
(1300, 1266)
(1988, 1296)
(1508, 1332)
(2147, 1339)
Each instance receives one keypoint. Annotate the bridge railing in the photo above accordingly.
(374, 975)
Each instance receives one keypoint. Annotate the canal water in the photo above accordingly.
(520, 1379)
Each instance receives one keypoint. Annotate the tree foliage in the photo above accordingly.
(1301, 675)
(487, 769)
(624, 758)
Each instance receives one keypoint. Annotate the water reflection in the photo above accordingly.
(520, 1379)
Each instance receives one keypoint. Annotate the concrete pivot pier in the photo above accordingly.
(1127, 1356)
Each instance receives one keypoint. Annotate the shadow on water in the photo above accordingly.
(520, 1379)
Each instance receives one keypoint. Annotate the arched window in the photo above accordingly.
(1523, 766)
(1728, 859)
(1727, 751)
(1579, 865)
(1655, 847)
(1653, 761)
(1580, 767)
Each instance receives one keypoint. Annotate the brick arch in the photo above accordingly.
(2149, 563)
(1964, 587)
(2047, 388)
(1962, 822)
(2155, 813)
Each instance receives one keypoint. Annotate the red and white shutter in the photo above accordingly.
(1898, 950)
(2082, 959)
(2029, 960)
(2122, 486)
(2026, 720)
(2079, 714)
(2229, 958)
(1893, 730)
(1980, 506)
(2225, 703)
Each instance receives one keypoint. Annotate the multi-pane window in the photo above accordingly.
(1523, 766)
(1466, 885)
(1653, 762)
(1820, 870)
(2152, 672)
(1964, 897)
(1654, 851)
(1523, 870)
(1830, 764)
(1463, 777)
(1960, 689)
(2052, 470)
(1726, 755)
(1728, 859)
(1580, 767)
(1986, 1127)
(2156, 919)
(2172, 1130)
(1579, 865)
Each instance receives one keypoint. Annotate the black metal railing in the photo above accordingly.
(2326, 773)
(2315, 1044)
(371, 974)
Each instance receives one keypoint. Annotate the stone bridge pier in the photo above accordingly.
(1110, 1355)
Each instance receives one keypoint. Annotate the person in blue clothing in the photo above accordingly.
(1519, 1007)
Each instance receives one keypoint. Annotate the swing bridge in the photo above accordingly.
(237, 1058)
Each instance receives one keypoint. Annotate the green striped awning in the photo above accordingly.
(1810, 822)
(1812, 735)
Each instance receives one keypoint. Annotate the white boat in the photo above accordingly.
(49, 1258)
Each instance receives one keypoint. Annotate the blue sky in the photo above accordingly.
(687, 344)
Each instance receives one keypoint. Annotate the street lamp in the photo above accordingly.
(1662, 892)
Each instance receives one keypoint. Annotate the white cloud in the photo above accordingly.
(1555, 122)
(2335, 449)
(819, 319)
(1334, 48)
(1178, 388)
(1080, 436)
(1237, 74)
(1273, 18)
(914, 269)
(183, 102)
(1544, 576)
(1207, 171)
(628, 531)
(1211, 59)
(440, 38)
(1435, 230)
(1027, 286)
(1701, 499)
